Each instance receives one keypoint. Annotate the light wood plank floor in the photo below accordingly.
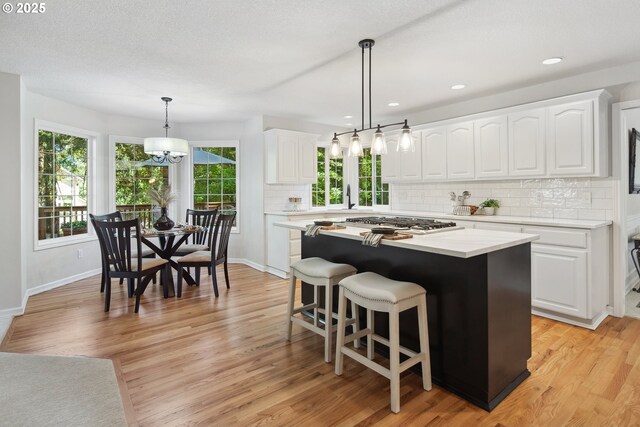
(225, 362)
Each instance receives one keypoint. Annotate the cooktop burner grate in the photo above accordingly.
(402, 222)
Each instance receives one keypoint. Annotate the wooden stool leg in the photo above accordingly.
(355, 314)
(342, 314)
(370, 343)
(292, 297)
(328, 323)
(423, 331)
(394, 353)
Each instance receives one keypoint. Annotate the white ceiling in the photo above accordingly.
(227, 60)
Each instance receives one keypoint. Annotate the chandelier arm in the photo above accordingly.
(371, 128)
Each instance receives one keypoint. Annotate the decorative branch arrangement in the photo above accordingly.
(162, 196)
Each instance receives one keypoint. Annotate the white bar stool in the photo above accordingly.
(319, 273)
(378, 293)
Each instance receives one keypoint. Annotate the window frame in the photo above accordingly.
(186, 198)
(92, 138)
(345, 180)
(374, 174)
(118, 139)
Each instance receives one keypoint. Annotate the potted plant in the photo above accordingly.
(489, 206)
(162, 197)
(74, 227)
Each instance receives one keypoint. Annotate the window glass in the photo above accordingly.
(62, 184)
(336, 180)
(319, 189)
(136, 173)
(215, 180)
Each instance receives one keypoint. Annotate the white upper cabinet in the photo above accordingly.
(570, 139)
(434, 154)
(290, 157)
(402, 165)
(460, 151)
(527, 143)
(491, 147)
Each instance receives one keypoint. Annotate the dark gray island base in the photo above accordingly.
(479, 311)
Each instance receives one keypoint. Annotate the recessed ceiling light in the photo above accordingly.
(348, 124)
(458, 87)
(554, 60)
(348, 117)
(393, 104)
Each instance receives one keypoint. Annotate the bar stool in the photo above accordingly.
(319, 273)
(378, 293)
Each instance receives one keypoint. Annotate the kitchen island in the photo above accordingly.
(478, 285)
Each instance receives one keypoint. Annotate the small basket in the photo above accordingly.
(465, 210)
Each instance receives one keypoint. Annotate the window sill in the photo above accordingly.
(58, 242)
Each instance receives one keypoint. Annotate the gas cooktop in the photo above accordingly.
(401, 222)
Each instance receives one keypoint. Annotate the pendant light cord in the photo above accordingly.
(362, 87)
(166, 119)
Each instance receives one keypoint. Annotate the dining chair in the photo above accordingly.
(212, 258)
(115, 216)
(199, 241)
(124, 260)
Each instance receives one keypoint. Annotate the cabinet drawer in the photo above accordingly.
(574, 239)
(294, 234)
(294, 247)
(499, 227)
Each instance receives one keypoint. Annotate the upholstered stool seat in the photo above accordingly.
(377, 293)
(319, 273)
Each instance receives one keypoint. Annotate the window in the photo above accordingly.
(135, 174)
(371, 189)
(215, 176)
(63, 181)
(336, 181)
(319, 190)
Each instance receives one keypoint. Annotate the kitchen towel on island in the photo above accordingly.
(372, 239)
(312, 230)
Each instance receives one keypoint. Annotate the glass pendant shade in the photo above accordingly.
(378, 145)
(405, 142)
(355, 146)
(335, 150)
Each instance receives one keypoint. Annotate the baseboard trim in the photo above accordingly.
(248, 263)
(584, 323)
(277, 272)
(10, 313)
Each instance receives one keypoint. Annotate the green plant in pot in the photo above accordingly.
(489, 206)
(162, 197)
(74, 227)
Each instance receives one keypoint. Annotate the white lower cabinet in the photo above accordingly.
(559, 279)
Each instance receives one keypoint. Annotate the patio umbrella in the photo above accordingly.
(199, 157)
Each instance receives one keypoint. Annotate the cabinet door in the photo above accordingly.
(410, 162)
(559, 280)
(307, 164)
(460, 152)
(434, 154)
(287, 158)
(491, 147)
(526, 143)
(570, 139)
(390, 162)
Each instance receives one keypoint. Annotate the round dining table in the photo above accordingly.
(169, 243)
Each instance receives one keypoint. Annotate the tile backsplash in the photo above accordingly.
(567, 198)
(276, 197)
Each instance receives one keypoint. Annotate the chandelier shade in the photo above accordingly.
(163, 149)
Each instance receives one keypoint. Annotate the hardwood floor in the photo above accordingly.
(225, 362)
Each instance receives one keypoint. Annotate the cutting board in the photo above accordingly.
(332, 227)
(396, 236)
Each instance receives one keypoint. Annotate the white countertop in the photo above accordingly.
(501, 219)
(463, 243)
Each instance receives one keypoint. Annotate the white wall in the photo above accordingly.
(10, 189)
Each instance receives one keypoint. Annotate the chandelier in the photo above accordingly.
(378, 144)
(165, 149)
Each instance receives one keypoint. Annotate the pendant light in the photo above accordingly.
(378, 144)
(165, 149)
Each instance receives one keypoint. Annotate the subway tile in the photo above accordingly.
(565, 213)
(592, 214)
(602, 203)
(542, 212)
(518, 211)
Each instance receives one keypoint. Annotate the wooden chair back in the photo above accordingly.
(116, 243)
(204, 218)
(221, 235)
